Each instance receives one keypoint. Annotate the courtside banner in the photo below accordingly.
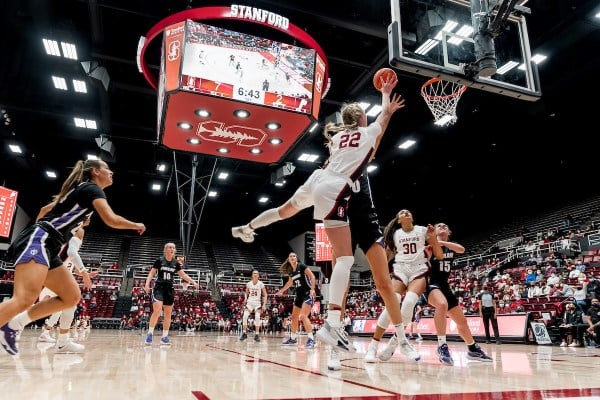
(510, 326)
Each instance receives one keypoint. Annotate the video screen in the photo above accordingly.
(225, 63)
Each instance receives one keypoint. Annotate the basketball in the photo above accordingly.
(382, 75)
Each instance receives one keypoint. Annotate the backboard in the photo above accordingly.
(483, 45)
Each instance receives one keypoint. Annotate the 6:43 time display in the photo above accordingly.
(249, 95)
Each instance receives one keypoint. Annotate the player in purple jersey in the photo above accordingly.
(35, 251)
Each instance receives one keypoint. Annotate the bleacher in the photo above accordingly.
(106, 246)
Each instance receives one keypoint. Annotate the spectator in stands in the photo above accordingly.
(489, 313)
(255, 300)
(304, 281)
(35, 250)
(573, 272)
(580, 296)
(163, 293)
(531, 276)
(593, 314)
(571, 335)
(553, 279)
(534, 290)
(531, 248)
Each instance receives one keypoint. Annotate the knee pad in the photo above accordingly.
(408, 305)
(384, 319)
(257, 320)
(66, 317)
(339, 279)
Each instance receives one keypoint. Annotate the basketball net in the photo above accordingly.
(441, 98)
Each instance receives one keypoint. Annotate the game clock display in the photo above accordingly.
(247, 68)
(249, 95)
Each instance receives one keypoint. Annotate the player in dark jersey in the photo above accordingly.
(163, 293)
(367, 234)
(303, 280)
(440, 296)
(35, 251)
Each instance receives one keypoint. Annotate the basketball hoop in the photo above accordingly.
(441, 98)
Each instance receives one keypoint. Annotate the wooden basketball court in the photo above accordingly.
(117, 365)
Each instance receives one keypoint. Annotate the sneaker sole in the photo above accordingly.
(332, 341)
(6, 346)
(479, 359)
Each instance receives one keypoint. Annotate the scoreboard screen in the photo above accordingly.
(242, 67)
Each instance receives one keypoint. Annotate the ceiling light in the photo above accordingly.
(69, 50)
(426, 47)
(223, 150)
(308, 157)
(79, 86)
(538, 58)
(162, 167)
(263, 199)
(212, 193)
(444, 120)
(313, 127)
(275, 141)
(92, 157)
(374, 111)
(364, 105)
(223, 175)
(59, 83)
(15, 148)
(51, 47)
(202, 113)
(193, 141)
(156, 187)
(407, 144)
(371, 168)
(448, 27)
(255, 151)
(241, 113)
(51, 174)
(184, 125)
(464, 32)
(507, 67)
(280, 183)
(273, 125)
(85, 123)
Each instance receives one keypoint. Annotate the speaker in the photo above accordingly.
(106, 145)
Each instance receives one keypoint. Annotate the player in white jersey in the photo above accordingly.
(410, 245)
(73, 261)
(328, 190)
(255, 300)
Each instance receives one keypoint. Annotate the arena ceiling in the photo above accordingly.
(504, 157)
